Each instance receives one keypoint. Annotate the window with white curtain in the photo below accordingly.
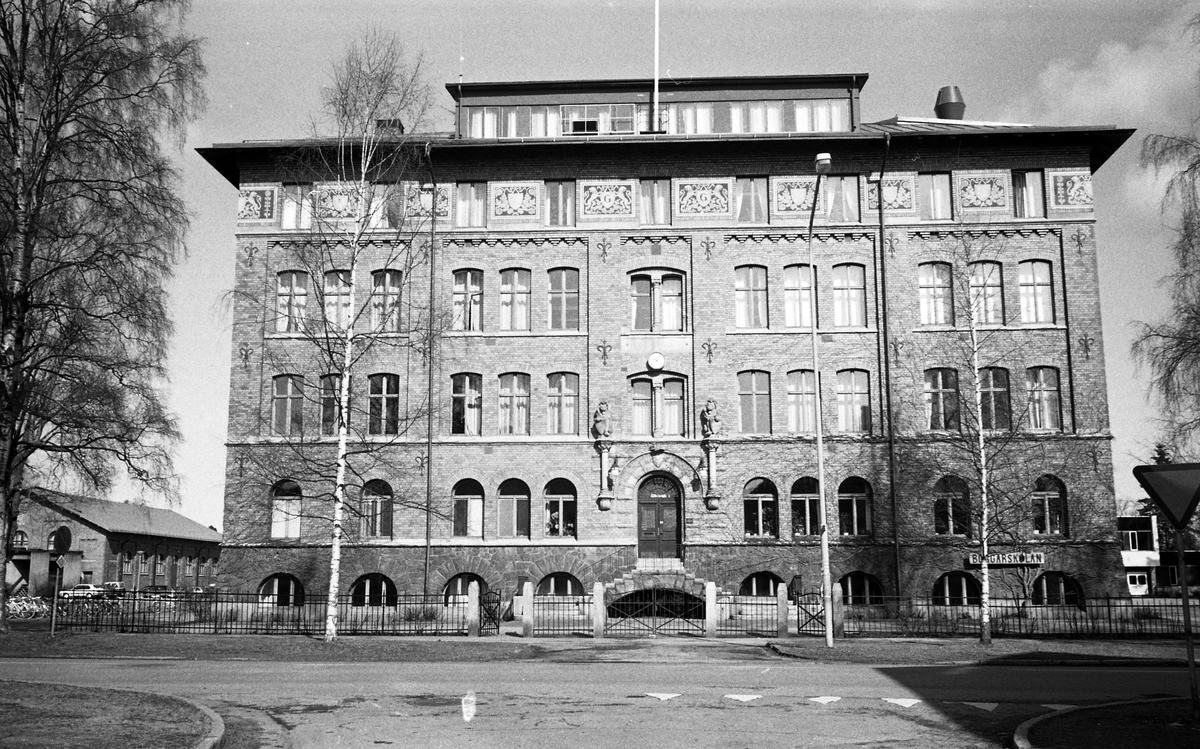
(802, 401)
(839, 198)
(514, 299)
(849, 296)
(934, 294)
(750, 200)
(514, 403)
(750, 296)
(797, 293)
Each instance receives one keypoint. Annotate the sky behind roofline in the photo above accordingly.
(1059, 62)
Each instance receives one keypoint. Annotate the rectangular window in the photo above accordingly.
(672, 408)
(1029, 197)
(564, 299)
(384, 414)
(1049, 515)
(654, 201)
(641, 303)
(468, 517)
(160, 566)
(941, 399)
(797, 296)
(470, 209)
(1037, 295)
(468, 300)
(951, 514)
(934, 294)
(933, 197)
(1045, 411)
(512, 517)
(562, 404)
(288, 405)
(297, 206)
(853, 401)
(597, 119)
(143, 563)
(514, 404)
(466, 404)
(672, 303)
(854, 518)
(806, 515)
(331, 394)
(127, 564)
(285, 518)
(987, 293)
(849, 296)
(840, 198)
(189, 566)
(560, 515)
(292, 299)
(514, 299)
(761, 518)
(754, 398)
(339, 302)
(750, 296)
(560, 203)
(802, 402)
(993, 390)
(385, 301)
(750, 200)
(642, 408)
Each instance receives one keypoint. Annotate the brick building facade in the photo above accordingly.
(585, 256)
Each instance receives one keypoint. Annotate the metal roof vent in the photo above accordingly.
(950, 104)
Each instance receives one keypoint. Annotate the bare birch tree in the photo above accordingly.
(91, 225)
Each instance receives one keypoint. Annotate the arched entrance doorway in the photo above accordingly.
(658, 518)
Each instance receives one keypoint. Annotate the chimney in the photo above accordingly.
(389, 127)
(950, 104)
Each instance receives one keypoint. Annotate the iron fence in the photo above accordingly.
(748, 615)
(249, 613)
(810, 614)
(562, 615)
(654, 611)
(1107, 617)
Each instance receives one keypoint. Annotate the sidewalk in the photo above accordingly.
(1146, 724)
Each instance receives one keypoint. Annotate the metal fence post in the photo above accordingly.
(710, 609)
(473, 609)
(781, 598)
(598, 611)
(527, 619)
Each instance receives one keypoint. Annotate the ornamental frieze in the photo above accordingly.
(257, 203)
(606, 199)
(702, 198)
(792, 195)
(510, 200)
(336, 201)
(897, 194)
(419, 201)
(983, 191)
(1071, 190)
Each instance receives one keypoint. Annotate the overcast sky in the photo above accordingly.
(1053, 62)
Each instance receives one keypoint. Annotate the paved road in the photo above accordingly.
(686, 701)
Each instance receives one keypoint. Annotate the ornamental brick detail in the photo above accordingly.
(607, 199)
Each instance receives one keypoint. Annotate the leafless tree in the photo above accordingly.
(91, 225)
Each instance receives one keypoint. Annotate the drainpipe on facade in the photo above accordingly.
(887, 366)
(429, 371)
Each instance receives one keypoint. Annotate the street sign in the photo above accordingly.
(1174, 487)
(62, 539)
(61, 562)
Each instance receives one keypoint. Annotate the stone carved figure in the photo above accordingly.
(710, 420)
(600, 425)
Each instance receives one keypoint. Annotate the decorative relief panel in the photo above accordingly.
(515, 200)
(257, 203)
(703, 198)
(419, 202)
(606, 199)
(792, 196)
(983, 191)
(1071, 190)
(335, 200)
(897, 194)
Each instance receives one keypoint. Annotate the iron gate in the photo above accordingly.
(489, 613)
(654, 611)
(810, 614)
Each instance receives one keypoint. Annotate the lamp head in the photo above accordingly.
(823, 163)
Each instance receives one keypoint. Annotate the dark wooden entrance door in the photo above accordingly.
(658, 518)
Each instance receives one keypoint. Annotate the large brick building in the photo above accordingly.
(599, 279)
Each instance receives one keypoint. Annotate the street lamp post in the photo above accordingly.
(822, 164)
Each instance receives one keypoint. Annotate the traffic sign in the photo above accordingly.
(1174, 487)
(62, 539)
(61, 562)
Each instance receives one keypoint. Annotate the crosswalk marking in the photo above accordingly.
(901, 701)
(664, 696)
(1058, 707)
(744, 697)
(824, 700)
(989, 706)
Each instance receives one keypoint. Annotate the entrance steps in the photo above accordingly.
(656, 573)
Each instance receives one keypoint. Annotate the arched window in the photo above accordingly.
(512, 517)
(514, 299)
(854, 507)
(987, 293)
(797, 293)
(750, 296)
(513, 400)
(560, 509)
(764, 584)
(20, 540)
(994, 399)
(562, 403)
(760, 501)
(1049, 507)
(1045, 407)
(374, 589)
(1057, 589)
(951, 507)
(559, 584)
(802, 401)
(468, 508)
(806, 507)
(656, 301)
(50, 540)
(375, 510)
(458, 587)
(956, 589)
(935, 294)
(291, 301)
(941, 400)
(467, 300)
(658, 405)
(466, 404)
(339, 311)
(286, 500)
(331, 404)
(385, 301)
(384, 404)
(287, 405)
(754, 401)
(861, 588)
(849, 296)
(854, 401)
(281, 589)
(1037, 293)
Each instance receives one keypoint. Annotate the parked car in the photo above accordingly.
(83, 590)
(157, 591)
(115, 589)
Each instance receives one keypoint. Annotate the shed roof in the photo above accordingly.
(125, 517)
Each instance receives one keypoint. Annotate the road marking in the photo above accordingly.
(664, 696)
(744, 697)
(902, 702)
(824, 700)
(1058, 707)
(989, 706)
(468, 706)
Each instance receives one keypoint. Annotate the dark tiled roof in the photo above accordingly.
(126, 517)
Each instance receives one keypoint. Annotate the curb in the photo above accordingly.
(1084, 663)
(216, 726)
(1020, 739)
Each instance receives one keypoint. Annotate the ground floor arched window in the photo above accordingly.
(559, 584)
(458, 587)
(281, 589)
(861, 588)
(1057, 589)
(761, 584)
(956, 589)
(374, 589)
